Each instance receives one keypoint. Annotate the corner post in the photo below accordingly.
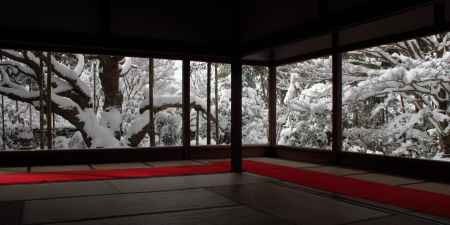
(236, 115)
(272, 93)
(337, 98)
(186, 108)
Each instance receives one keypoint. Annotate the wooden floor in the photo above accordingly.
(228, 199)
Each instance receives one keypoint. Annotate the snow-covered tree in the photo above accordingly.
(72, 98)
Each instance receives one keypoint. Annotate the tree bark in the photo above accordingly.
(48, 100)
(444, 140)
(197, 127)
(109, 78)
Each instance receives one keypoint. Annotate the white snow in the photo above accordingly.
(112, 118)
(101, 136)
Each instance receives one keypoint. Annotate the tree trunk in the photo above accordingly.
(109, 78)
(197, 127)
(444, 140)
(47, 105)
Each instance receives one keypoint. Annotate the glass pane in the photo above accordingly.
(396, 99)
(304, 98)
(221, 100)
(97, 101)
(255, 123)
(198, 97)
(167, 99)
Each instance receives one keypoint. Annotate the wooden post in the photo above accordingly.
(94, 77)
(41, 105)
(236, 115)
(186, 108)
(197, 126)
(3, 123)
(151, 80)
(337, 99)
(48, 103)
(272, 93)
(216, 101)
(208, 104)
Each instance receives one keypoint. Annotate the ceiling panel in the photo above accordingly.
(408, 21)
(80, 16)
(260, 19)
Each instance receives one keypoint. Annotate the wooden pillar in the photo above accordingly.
(208, 104)
(94, 96)
(48, 103)
(186, 108)
(272, 93)
(216, 100)
(151, 80)
(337, 99)
(41, 105)
(236, 115)
(3, 123)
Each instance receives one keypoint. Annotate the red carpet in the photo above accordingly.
(85, 175)
(422, 201)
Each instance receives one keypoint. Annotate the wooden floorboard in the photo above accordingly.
(92, 207)
(218, 216)
(11, 213)
(13, 169)
(59, 168)
(174, 163)
(220, 199)
(109, 166)
(397, 220)
(339, 171)
(431, 187)
(54, 190)
(185, 182)
(284, 162)
(297, 206)
(386, 179)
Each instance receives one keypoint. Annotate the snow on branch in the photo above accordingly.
(15, 91)
(80, 64)
(163, 102)
(125, 66)
(71, 76)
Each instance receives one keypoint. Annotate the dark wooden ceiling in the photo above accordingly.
(259, 31)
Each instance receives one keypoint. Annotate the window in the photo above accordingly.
(97, 101)
(304, 99)
(396, 99)
(220, 91)
(254, 105)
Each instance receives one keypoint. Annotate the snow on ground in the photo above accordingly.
(101, 136)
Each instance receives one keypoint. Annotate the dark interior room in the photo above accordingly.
(313, 112)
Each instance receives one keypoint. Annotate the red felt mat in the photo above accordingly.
(58, 176)
(422, 201)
